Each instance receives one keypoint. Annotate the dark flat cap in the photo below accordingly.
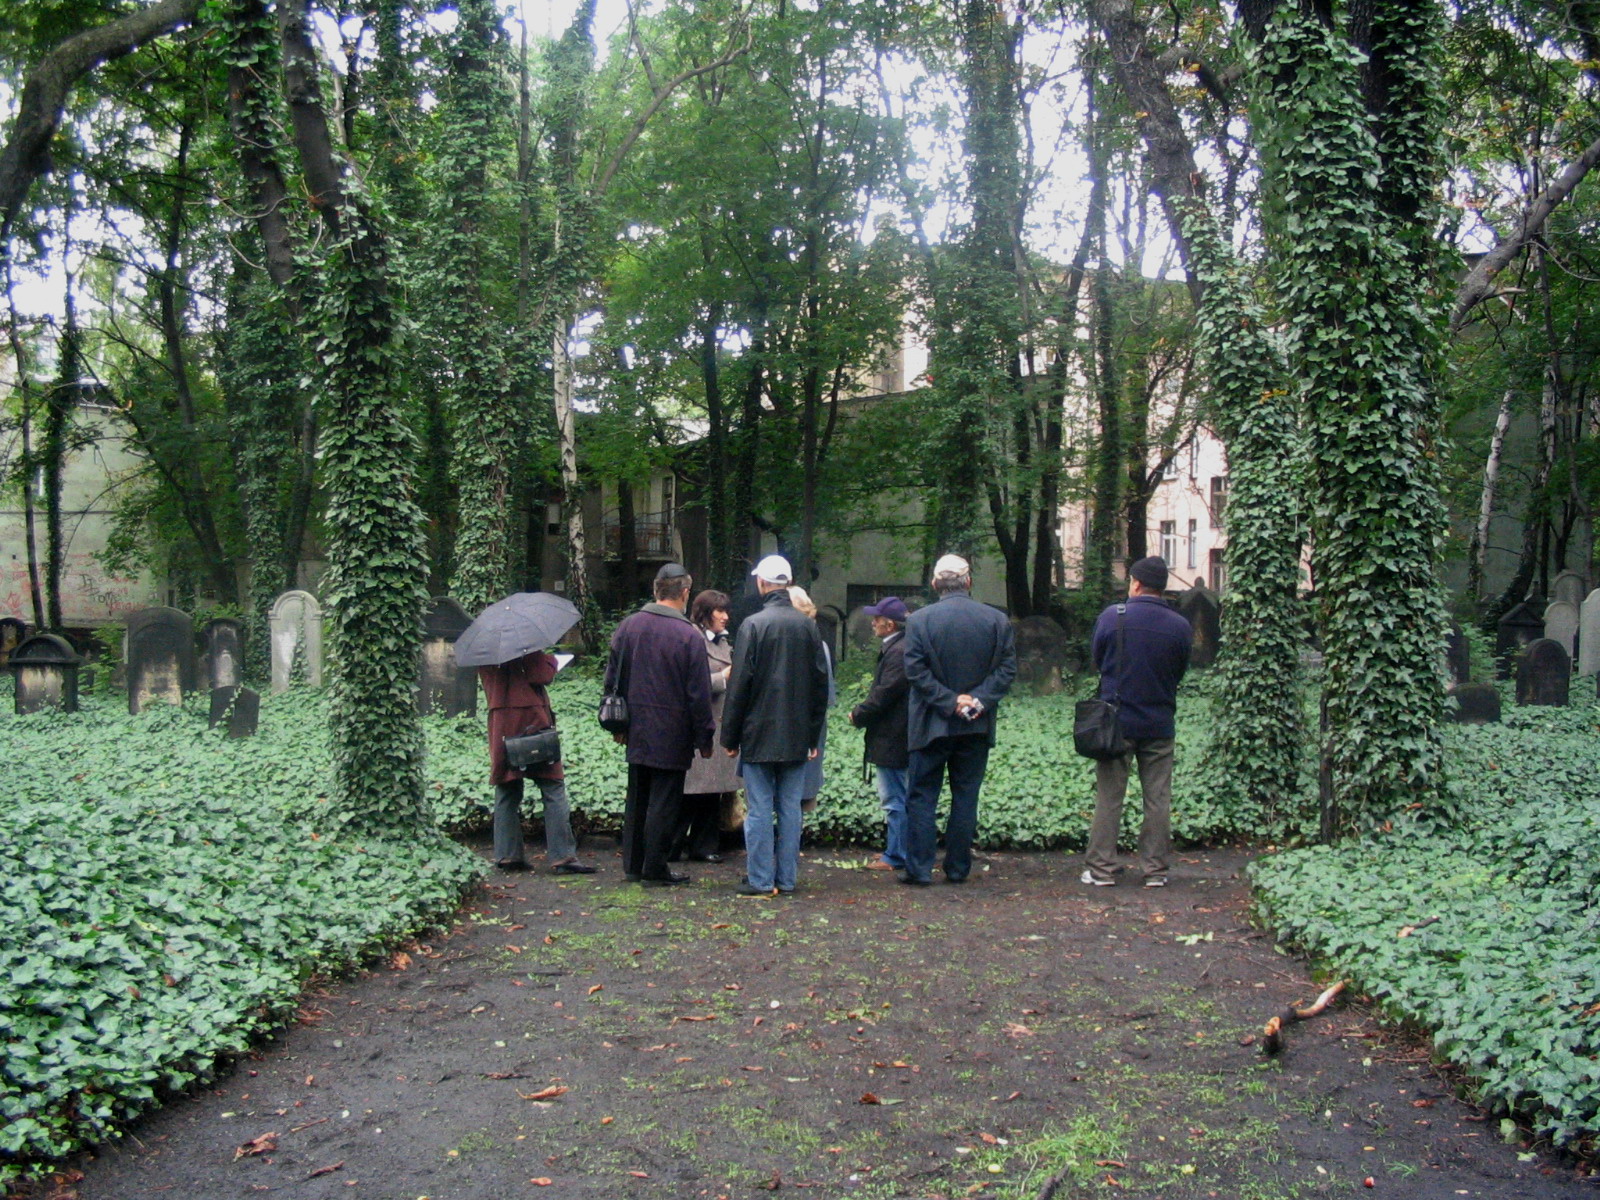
(672, 571)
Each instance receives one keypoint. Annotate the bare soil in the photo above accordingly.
(1021, 1036)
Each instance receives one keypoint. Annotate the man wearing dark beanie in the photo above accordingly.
(1141, 649)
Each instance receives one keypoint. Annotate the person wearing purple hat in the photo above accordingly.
(1141, 649)
(882, 715)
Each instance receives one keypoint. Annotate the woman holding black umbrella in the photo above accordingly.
(519, 704)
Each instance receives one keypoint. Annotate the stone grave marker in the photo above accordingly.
(858, 629)
(443, 687)
(160, 657)
(1561, 624)
(239, 706)
(13, 632)
(1202, 608)
(224, 656)
(46, 669)
(1476, 703)
(296, 630)
(1042, 652)
(1521, 625)
(1457, 654)
(1589, 635)
(1544, 674)
(1569, 586)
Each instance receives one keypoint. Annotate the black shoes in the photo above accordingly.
(573, 868)
(705, 858)
(510, 865)
(670, 879)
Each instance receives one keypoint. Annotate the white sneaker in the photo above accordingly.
(1088, 877)
(1155, 881)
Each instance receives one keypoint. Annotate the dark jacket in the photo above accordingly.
(518, 704)
(778, 694)
(956, 647)
(883, 713)
(1146, 680)
(668, 687)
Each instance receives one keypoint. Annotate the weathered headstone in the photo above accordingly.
(858, 628)
(1042, 649)
(829, 621)
(1589, 635)
(1476, 703)
(1544, 674)
(1561, 624)
(160, 657)
(46, 667)
(13, 632)
(239, 706)
(296, 625)
(442, 686)
(1202, 608)
(224, 657)
(1522, 624)
(1457, 654)
(1569, 586)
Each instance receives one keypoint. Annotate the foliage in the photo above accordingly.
(1352, 276)
(1508, 975)
(167, 893)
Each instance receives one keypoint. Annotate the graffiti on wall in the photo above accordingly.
(89, 595)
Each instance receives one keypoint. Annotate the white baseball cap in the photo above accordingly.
(951, 564)
(774, 568)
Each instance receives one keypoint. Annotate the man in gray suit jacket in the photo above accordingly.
(960, 660)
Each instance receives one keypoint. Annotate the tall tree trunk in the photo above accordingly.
(627, 545)
(1478, 549)
(19, 354)
(718, 534)
(578, 589)
(59, 405)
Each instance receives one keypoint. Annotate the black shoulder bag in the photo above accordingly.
(533, 749)
(614, 704)
(1096, 732)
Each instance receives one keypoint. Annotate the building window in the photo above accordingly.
(1219, 572)
(1219, 500)
(1169, 541)
(1169, 466)
(1194, 457)
(1194, 544)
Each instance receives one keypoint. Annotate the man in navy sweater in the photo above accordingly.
(1144, 679)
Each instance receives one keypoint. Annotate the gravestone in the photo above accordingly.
(224, 657)
(1589, 635)
(1042, 649)
(1476, 703)
(1569, 586)
(858, 629)
(443, 687)
(1561, 624)
(829, 621)
(13, 632)
(1457, 654)
(1544, 674)
(296, 625)
(46, 668)
(160, 657)
(1522, 624)
(239, 706)
(1202, 608)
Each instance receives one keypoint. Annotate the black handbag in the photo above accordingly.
(1096, 731)
(533, 749)
(613, 712)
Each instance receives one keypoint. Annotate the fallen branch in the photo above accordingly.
(1272, 1035)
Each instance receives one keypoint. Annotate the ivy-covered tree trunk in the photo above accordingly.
(60, 402)
(461, 255)
(1253, 759)
(1348, 194)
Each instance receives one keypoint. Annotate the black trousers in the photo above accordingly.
(650, 819)
(699, 825)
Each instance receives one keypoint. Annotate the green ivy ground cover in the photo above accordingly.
(164, 895)
(1507, 973)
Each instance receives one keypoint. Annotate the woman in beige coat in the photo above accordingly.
(709, 779)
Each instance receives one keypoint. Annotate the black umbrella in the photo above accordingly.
(518, 625)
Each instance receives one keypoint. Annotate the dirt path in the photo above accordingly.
(860, 1039)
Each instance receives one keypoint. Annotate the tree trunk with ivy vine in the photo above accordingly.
(1348, 212)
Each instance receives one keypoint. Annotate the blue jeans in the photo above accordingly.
(772, 823)
(966, 757)
(559, 844)
(892, 794)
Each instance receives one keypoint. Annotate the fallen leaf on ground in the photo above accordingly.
(1017, 1029)
(504, 1075)
(640, 1174)
(401, 960)
(869, 1098)
(514, 928)
(328, 1170)
(542, 1181)
(989, 1138)
(549, 1093)
(260, 1145)
(1111, 1162)
(707, 1017)
(599, 987)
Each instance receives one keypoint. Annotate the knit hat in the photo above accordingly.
(1151, 571)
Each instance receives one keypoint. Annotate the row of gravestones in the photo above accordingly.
(162, 665)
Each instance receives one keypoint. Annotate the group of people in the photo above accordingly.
(705, 719)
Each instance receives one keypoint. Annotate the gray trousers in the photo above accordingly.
(1111, 788)
(559, 844)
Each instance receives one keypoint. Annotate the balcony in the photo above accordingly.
(652, 537)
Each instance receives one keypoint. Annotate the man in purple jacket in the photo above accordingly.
(658, 662)
(1143, 677)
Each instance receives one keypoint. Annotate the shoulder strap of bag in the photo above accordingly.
(1122, 642)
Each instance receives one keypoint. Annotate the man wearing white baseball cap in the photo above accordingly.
(960, 660)
(776, 702)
